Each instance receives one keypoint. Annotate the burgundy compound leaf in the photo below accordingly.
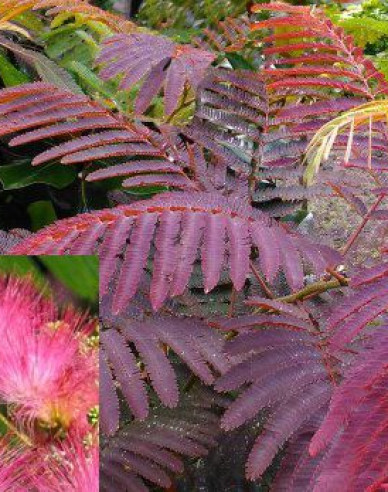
(158, 61)
(168, 223)
(127, 342)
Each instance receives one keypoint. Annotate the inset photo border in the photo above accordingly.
(49, 373)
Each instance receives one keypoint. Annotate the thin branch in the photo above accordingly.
(179, 108)
(264, 286)
(314, 289)
(341, 279)
(359, 229)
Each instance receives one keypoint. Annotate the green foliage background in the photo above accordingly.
(78, 274)
(367, 21)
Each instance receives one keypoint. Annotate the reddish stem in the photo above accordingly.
(267, 291)
(341, 279)
(359, 229)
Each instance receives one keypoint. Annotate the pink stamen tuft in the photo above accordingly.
(46, 372)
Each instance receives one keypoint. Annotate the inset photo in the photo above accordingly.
(49, 396)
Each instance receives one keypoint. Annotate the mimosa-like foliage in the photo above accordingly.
(196, 160)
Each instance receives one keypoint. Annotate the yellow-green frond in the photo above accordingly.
(363, 118)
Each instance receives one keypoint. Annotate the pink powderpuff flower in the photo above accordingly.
(22, 469)
(48, 468)
(84, 476)
(11, 468)
(48, 372)
(78, 466)
(58, 466)
(22, 305)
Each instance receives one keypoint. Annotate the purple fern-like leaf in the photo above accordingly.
(178, 226)
(150, 452)
(127, 342)
(39, 111)
(158, 61)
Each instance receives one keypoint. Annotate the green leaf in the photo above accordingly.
(98, 27)
(50, 72)
(47, 70)
(238, 62)
(182, 35)
(297, 217)
(78, 273)
(10, 74)
(22, 174)
(365, 29)
(61, 44)
(89, 78)
(31, 21)
(88, 39)
(41, 214)
(62, 31)
(21, 266)
(3, 426)
(147, 191)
